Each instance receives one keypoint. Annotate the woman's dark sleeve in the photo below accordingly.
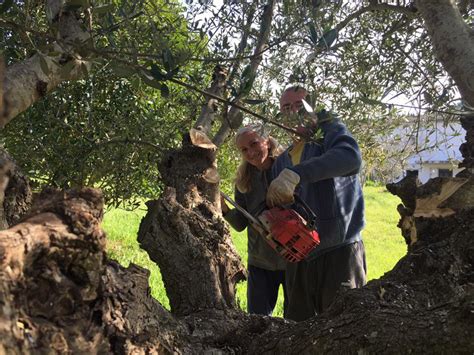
(235, 218)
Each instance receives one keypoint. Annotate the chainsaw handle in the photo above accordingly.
(308, 210)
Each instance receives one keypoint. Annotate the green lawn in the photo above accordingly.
(122, 228)
(383, 242)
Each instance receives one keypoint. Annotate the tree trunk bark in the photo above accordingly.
(453, 42)
(15, 192)
(209, 109)
(60, 294)
(51, 266)
(186, 235)
(467, 148)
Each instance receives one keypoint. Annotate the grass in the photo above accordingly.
(122, 228)
(384, 244)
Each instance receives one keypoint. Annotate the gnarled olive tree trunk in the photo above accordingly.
(15, 191)
(185, 234)
(59, 293)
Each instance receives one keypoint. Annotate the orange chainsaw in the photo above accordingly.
(289, 234)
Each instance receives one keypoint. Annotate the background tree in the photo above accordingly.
(110, 128)
(354, 63)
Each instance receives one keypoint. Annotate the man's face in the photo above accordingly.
(296, 112)
(291, 100)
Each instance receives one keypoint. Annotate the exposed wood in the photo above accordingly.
(439, 197)
(200, 139)
(437, 202)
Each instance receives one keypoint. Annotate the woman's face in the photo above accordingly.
(254, 149)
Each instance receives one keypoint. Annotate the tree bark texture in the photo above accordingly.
(16, 194)
(453, 42)
(185, 234)
(59, 293)
(467, 148)
(209, 109)
(50, 276)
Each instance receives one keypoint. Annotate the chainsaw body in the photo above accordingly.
(289, 233)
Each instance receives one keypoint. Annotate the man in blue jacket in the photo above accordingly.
(323, 172)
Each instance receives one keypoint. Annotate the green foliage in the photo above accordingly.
(20, 23)
(313, 33)
(378, 56)
(111, 129)
(104, 132)
(327, 39)
(229, 158)
(6, 6)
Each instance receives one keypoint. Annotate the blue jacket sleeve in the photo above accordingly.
(341, 156)
(235, 218)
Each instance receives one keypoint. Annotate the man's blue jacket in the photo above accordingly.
(329, 184)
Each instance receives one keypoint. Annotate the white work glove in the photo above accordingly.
(281, 190)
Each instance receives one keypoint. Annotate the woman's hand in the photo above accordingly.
(224, 207)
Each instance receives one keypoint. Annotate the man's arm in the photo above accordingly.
(341, 157)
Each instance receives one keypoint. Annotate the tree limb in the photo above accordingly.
(28, 81)
(453, 41)
(235, 117)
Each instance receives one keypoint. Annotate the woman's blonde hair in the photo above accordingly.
(244, 171)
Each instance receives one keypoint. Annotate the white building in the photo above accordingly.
(436, 150)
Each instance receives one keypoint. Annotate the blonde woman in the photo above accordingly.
(266, 268)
